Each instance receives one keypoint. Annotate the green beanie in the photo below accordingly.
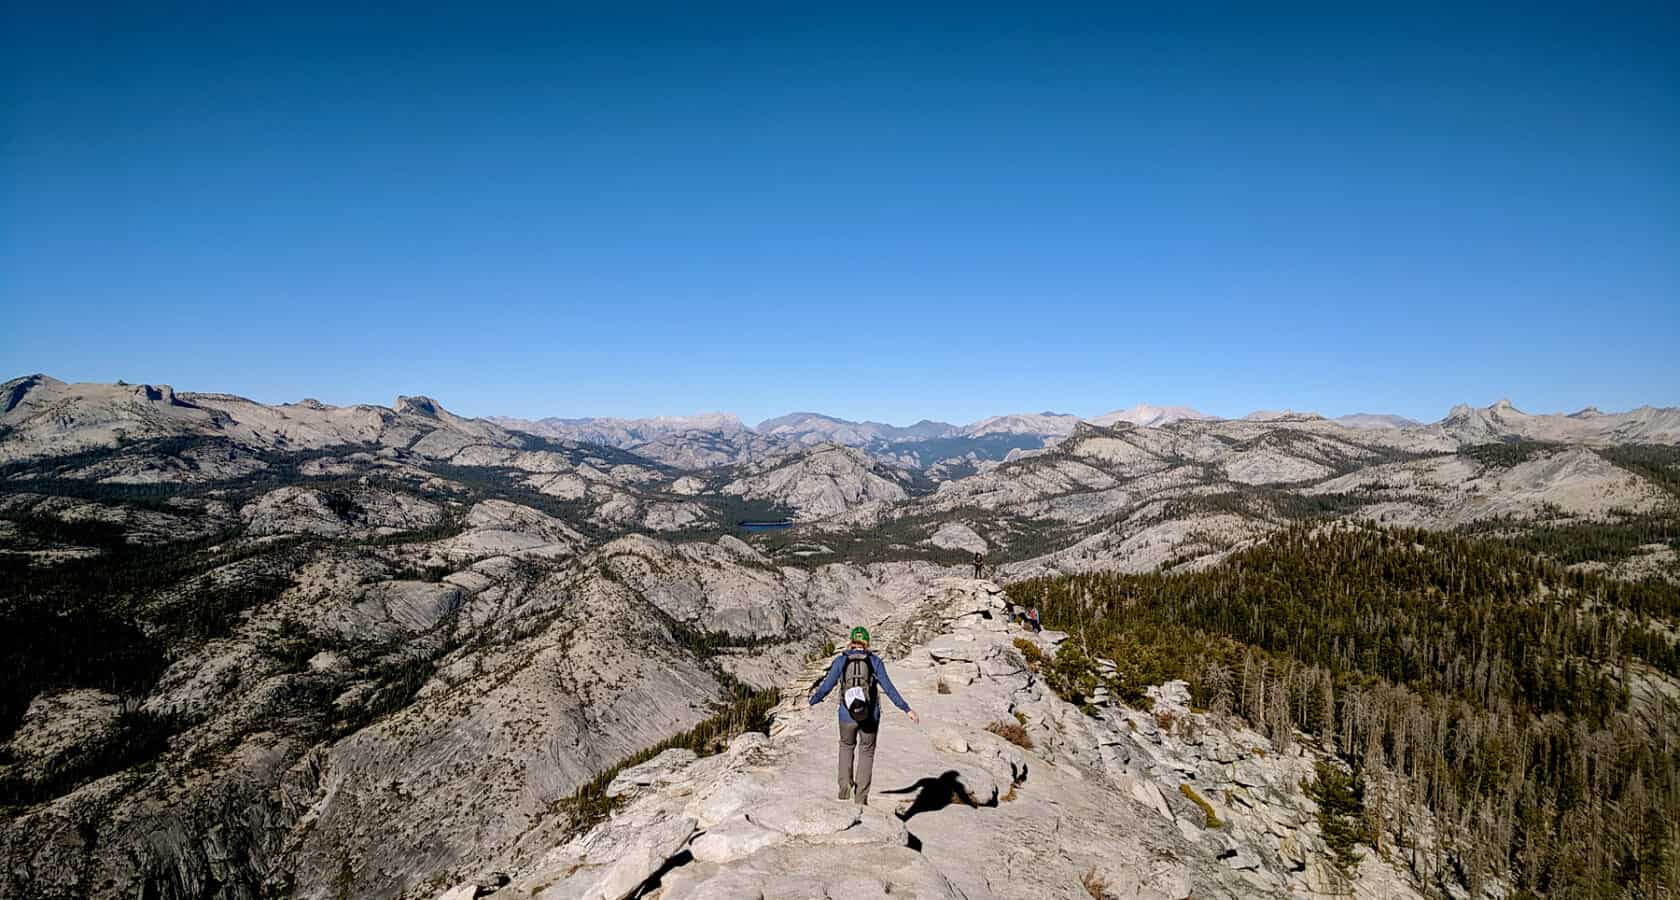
(860, 633)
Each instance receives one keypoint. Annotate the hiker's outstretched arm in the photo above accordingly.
(887, 685)
(829, 680)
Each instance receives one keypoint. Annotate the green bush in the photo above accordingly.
(1071, 675)
(1341, 810)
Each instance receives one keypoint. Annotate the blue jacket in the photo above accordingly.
(833, 678)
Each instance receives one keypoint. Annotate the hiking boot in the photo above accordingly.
(862, 799)
(845, 793)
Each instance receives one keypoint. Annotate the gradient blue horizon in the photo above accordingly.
(946, 214)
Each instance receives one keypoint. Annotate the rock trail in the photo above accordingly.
(958, 811)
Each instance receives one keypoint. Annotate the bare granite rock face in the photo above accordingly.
(822, 482)
(957, 536)
(1446, 492)
(60, 730)
(298, 510)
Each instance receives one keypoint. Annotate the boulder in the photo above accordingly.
(875, 826)
(951, 648)
(722, 802)
(1002, 665)
(731, 840)
(1050, 640)
(1173, 696)
(645, 855)
(1146, 793)
(948, 740)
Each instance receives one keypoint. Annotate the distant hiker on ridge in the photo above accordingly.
(858, 672)
(979, 563)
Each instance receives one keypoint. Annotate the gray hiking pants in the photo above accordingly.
(852, 735)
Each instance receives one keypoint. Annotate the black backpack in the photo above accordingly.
(857, 686)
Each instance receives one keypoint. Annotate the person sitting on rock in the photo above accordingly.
(858, 672)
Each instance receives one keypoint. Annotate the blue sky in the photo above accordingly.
(757, 208)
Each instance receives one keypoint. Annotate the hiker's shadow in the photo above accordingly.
(935, 794)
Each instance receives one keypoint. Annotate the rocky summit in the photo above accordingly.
(1002, 791)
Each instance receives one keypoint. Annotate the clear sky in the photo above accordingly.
(951, 213)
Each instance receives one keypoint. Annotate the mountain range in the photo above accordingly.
(958, 447)
(394, 652)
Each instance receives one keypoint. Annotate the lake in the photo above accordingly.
(765, 526)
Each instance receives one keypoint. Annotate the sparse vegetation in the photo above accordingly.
(1094, 884)
(1030, 650)
(1210, 819)
(1013, 732)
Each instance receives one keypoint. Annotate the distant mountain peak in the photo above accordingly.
(1504, 421)
(13, 392)
(1266, 415)
(417, 405)
(805, 427)
(1151, 416)
(1044, 424)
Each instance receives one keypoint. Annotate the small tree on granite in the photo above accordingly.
(1341, 806)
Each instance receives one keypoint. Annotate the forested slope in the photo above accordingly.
(1533, 709)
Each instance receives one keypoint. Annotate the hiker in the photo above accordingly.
(979, 564)
(858, 671)
(1032, 620)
